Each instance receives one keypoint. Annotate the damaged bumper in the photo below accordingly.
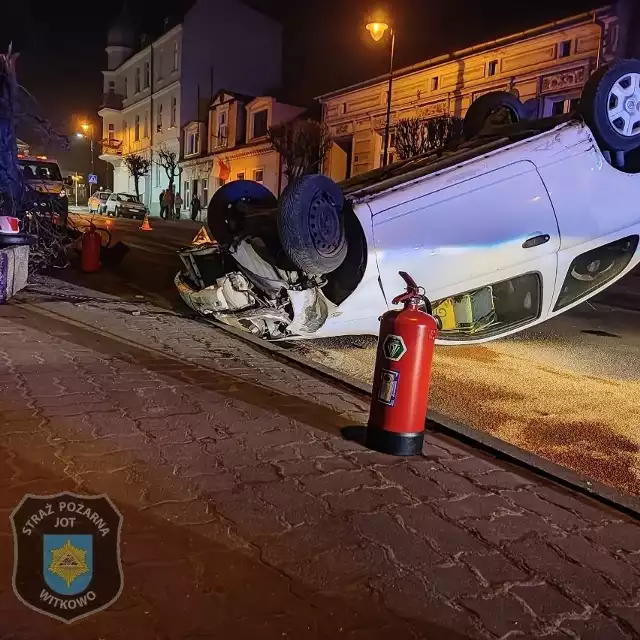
(236, 299)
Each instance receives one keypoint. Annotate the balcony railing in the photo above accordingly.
(111, 146)
(111, 100)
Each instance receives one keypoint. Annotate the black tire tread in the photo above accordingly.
(294, 237)
(480, 109)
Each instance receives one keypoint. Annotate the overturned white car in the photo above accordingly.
(516, 224)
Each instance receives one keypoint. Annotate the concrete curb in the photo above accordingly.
(479, 439)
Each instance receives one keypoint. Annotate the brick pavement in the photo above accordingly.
(248, 516)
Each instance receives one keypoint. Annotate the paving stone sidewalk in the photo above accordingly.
(248, 516)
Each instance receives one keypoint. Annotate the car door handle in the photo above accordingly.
(536, 241)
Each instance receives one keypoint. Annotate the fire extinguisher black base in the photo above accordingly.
(395, 444)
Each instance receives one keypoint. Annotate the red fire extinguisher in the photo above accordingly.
(403, 371)
(91, 243)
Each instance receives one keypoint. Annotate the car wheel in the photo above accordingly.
(224, 218)
(118, 214)
(311, 224)
(499, 107)
(610, 105)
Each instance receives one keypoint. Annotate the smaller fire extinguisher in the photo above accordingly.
(91, 244)
(403, 372)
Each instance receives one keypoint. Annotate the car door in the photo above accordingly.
(479, 241)
(111, 203)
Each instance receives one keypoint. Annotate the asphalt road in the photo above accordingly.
(566, 390)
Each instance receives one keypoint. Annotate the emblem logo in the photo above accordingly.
(66, 560)
(394, 347)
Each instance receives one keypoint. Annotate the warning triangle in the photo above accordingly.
(202, 237)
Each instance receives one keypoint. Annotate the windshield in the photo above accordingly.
(125, 197)
(40, 170)
(102, 195)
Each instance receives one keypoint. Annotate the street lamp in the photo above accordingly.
(87, 128)
(377, 30)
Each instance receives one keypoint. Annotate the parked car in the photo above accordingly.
(517, 223)
(98, 201)
(125, 205)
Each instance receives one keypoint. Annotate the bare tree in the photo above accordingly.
(168, 160)
(303, 144)
(415, 136)
(138, 166)
(11, 184)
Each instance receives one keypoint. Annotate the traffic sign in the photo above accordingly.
(93, 178)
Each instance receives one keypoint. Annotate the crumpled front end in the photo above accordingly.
(239, 287)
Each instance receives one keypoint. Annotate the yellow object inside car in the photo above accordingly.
(467, 313)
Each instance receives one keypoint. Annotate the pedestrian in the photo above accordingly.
(162, 208)
(178, 204)
(195, 207)
(167, 202)
(172, 200)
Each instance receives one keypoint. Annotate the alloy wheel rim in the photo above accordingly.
(623, 105)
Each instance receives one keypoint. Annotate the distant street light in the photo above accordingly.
(87, 128)
(377, 30)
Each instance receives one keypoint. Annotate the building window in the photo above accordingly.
(146, 124)
(492, 67)
(126, 88)
(137, 80)
(240, 176)
(136, 134)
(192, 143)
(558, 106)
(159, 64)
(157, 175)
(223, 129)
(391, 155)
(185, 190)
(258, 175)
(174, 112)
(260, 123)
(112, 132)
(112, 86)
(434, 84)
(147, 75)
(159, 122)
(565, 49)
(175, 56)
(205, 193)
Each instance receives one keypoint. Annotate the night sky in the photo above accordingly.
(61, 44)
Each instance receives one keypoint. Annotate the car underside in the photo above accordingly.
(323, 260)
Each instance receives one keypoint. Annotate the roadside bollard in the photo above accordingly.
(403, 371)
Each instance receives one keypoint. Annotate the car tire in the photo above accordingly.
(311, 224)
(485, 106)
(224, 220)
(601, 98)
(117, 213)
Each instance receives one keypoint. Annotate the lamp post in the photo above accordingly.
(87, 127)
(377, 31)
